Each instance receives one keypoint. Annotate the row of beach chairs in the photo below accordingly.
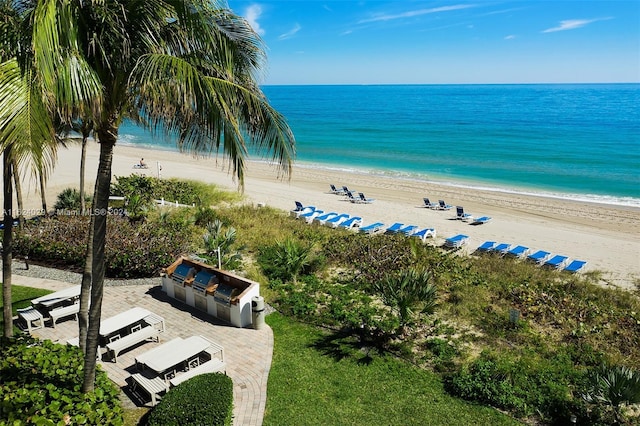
(541, 257)
(343, 220)
(351, 195)
(460, 213)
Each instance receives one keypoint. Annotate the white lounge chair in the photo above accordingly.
(443, 206)
(425, 233)
(372, 229)
(351, 222)
(456, 241)
(428, 204)
(461, 215)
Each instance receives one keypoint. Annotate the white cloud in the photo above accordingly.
(293, 31)
(572, 24)
(412, 13)
(510, 37)
(252, 14)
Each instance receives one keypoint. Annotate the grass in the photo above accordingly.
(316, 376)
(21, 298)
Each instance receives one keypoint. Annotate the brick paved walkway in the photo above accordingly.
(247, 352)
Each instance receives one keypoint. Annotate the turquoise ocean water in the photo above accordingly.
(572, 141)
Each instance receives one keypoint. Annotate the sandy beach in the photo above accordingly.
(606, 236)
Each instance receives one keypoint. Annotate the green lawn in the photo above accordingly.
(315, 379)
(21, 298)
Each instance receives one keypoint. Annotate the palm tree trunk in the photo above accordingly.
(107, 135)
(16, 180)
(7, 242)
(83, 157)
(42, 194)
(85, 290)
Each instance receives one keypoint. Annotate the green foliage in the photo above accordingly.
(217, 238)
(611, 387)
(132, 250)
(40, 383)
(171, 190)
(287, 259)
(206, 399)
(406, 292)
(69, 200)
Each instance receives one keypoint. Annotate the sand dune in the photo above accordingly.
(606, 236)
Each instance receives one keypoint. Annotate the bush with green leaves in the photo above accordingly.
(41, 383)
(206, 399)
(611, 388)
(288, 259)
(220, 241)
(69, 200)
(132, 250)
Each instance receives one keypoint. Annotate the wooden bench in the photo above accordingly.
(153, 386)
(64, 311)
(131, 340)
(212, 366)
(32, 317)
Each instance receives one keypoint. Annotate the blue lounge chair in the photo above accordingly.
(575, 266)
(321, 219)
(351, 222)
(501, 248)
(518, 251)
(407, 230)
(481, 220)
(362, 199)
(300, 210)
(486, 246)
(335, 190)
(425, 233)
(334, 221)
(308, 216)
(456, 241)
(556, 261)
(540, 256)
(428, 204)
(393, 229)
(443, 206)
(372, 229)
(461, 215)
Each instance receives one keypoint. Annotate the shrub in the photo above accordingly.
(611, 388)
(287, 259)
(40, 383)
(69, 200)
(132, 250)
(206, 399)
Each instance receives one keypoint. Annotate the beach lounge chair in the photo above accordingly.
(309, 215)
(363, 199)
(461, 215)
(456, 241)
(346, 190)
(486, 246)
(335, 190)
(321, 219)
(556, 261)
(372, 229)
(518, 251)
(407, 230)
(540, 256)
(334, 221)
(393, 229)
(575, 266)
(300, 210)
(501, 248)
(428, 204)
(443, 206)
(425, 233)
(351, 222)
(351, 197)
(481, 220)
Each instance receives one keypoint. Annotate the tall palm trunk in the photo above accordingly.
(107, 135)
(18, 184)
(43, 196)
(85, 289)
(85, 129)
(7, 243)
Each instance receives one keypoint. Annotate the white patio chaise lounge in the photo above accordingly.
(32, 317)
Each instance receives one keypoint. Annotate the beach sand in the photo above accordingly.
(606, 236)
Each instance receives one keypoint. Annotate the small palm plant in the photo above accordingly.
(613, 387)
(69, 199)
(292, 257)
(408, 292)
(217, 238)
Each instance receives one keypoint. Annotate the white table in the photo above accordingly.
(173, 353)
(60, 296)
(122, 320)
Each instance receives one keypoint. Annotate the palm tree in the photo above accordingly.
(185, 67)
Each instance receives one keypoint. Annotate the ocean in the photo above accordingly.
(574, 141)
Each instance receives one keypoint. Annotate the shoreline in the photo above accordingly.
(606, 236)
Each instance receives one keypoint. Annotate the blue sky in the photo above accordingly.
(435, 42)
